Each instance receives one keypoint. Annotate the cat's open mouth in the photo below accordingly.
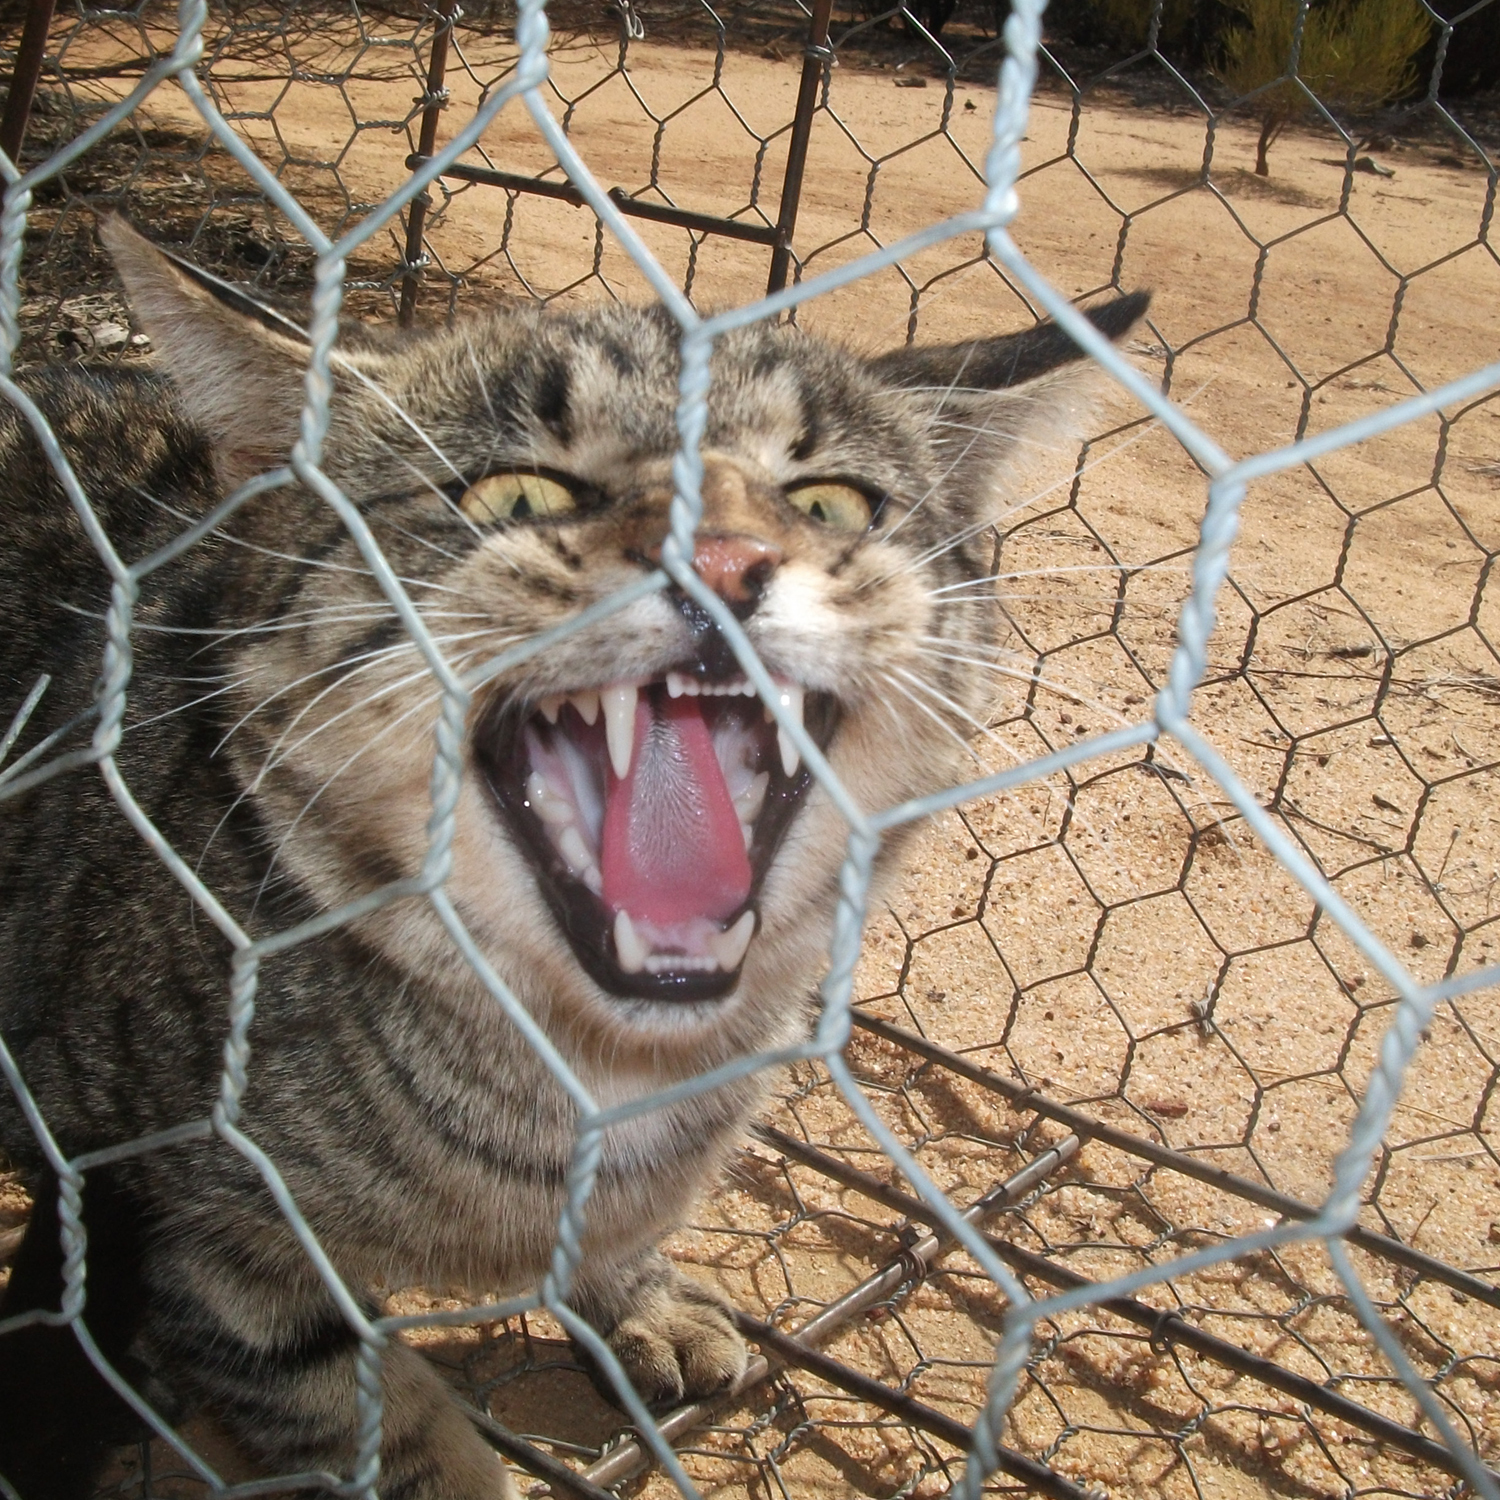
(651, 813)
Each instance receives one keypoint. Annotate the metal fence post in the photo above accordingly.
(433, 101)
(24, 75)
(814, 58)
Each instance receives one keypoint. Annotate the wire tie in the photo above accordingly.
(1159, 1339)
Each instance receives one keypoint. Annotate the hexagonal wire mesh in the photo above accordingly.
(1202, 1190)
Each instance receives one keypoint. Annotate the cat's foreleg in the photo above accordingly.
(674, 1337)
(274, 1363)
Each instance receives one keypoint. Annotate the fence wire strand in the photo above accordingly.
(1007, 1228)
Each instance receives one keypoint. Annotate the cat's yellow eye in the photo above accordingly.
(837, 505)
(515, 497)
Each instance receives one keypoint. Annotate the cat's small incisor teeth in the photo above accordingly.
(728, 948)
(630, 951)
(619, 703)
(680, 685)
(680, 963)
(587, 704)
(571, 846)
(749, 802)
(791, 700)
(545, 803)
(551, 706)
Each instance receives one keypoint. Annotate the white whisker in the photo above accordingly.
(227, 687)
(1121, 567)
(368, 745)
(303, 562)
(417, 707)
(369, 658)
(936, 718)
(378, 659)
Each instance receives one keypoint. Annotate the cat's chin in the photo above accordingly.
(650, 814)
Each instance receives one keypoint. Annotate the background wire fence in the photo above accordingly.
(1187, 992)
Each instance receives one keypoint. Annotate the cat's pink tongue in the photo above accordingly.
(672, 849)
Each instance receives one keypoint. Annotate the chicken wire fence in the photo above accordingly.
(1145, 1143)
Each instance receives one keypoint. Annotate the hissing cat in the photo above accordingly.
(640, 854)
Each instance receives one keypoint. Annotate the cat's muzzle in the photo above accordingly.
(651, 813)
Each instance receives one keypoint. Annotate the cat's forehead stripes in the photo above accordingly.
(593, 392)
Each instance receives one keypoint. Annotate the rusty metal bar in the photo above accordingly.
(1165, 1327)
(1022, 1096)
(639, 208)
(24, 76)
(813, 59)
(515, 182)
(927, 1418)
(777, 236)
(664, 213)
(435, 98)
(561, 1477)
(909, 1267)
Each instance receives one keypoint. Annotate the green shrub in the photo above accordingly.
(1355, 54)
(1127, 23)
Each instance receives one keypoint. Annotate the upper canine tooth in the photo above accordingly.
(587, 704)
(791, 700)
(630, 951)
(619, 703)
(728, 948)
(551, 707)
(676, 684)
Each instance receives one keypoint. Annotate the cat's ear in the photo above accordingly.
(239, 380)
(987, 403)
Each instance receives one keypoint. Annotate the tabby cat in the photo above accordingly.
(641, 853)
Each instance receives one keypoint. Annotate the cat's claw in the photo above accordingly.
(679, 1341)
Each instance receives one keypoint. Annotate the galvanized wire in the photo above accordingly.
(333, 245)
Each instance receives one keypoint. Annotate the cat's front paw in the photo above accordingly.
(678, 1340)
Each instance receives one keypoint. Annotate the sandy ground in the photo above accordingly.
(1118, 938)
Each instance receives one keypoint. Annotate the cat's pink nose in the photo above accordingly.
(736, 567)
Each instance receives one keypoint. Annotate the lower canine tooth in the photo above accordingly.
(728, 948)
(618, 703)
(630, 951)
